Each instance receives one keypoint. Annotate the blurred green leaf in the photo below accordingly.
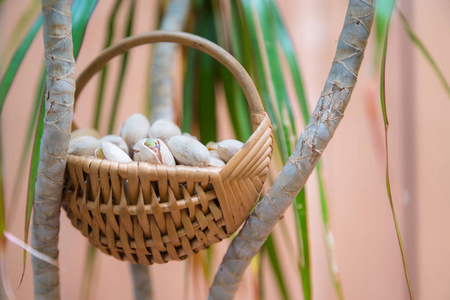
(270, 79)
(386, 21)
(236, 101)
(88, 272)
(2, 204)
(123, 68)
(101, 87)
(22, 26)
(275, 264)
(301, 226)
(206, 74)
(415, 39)
(188, 90)
(16, 60)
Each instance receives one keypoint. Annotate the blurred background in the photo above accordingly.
(366, 248)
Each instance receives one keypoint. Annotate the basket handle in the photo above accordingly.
(185, 39)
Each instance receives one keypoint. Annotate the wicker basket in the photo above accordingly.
(149, 214)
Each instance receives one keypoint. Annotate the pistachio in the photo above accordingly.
(190, 136)
(99, 153)
(133, 129)
(153, 151)
(216, 162)
(112, 152)
(211, 146)
(214, 153)
(84, 132)
(115, 140)
(164, 130)
(188, 151)
(228, 148)
(83, 145)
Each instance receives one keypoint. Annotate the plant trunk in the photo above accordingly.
(162, 108)
(59, 100)
(311, 144)
(162, 78)
(142, 284)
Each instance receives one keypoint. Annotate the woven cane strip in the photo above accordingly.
(263, 153)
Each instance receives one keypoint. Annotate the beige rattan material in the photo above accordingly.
(149, 214)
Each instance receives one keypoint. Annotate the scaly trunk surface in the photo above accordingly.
(59, 100)
(142, 284)
(311, 144)
(162, 78)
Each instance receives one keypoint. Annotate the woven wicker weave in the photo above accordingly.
(149, 214)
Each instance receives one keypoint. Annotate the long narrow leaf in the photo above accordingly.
(415, 39)
(104, 73)
(123, 68)
(2, 204)
(16, 60)
(31, 132)
(329, 237)
(273, 258)
(267, 34)
(387, 19)
(207, 69)
(22, 26)
(237, 104)
(188, 90)
(89, 263)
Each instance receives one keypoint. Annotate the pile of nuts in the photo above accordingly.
(160, 143)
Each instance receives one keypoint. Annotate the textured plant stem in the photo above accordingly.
(59, 100)
(142, 284)
(174, 19)
(311, 144)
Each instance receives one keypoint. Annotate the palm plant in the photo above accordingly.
(255, 33)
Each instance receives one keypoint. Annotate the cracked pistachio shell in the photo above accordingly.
(112, 152)
(188, 151)
(84, 132)
(211, 146)
(216, 162)
(228, 148)
(115, 140)
(134, 129)
(153, 151)
(83, 145)
(164, 130)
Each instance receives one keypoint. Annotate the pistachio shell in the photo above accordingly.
(211, 146)
(133, 129)
(153, 151)
(163, 130)
(115, 140)
(214, 153)
(84, 132)
(189, 136)
(216, 162)
(228, 148)
(188, 151)
(113, 153)
(83, 145)
(99, 153)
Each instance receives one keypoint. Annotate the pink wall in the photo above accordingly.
(367, 251)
